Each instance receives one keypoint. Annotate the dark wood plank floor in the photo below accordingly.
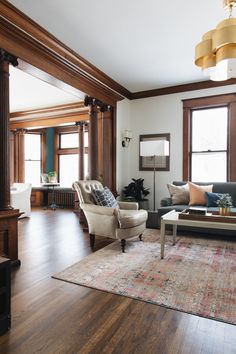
(50, 316)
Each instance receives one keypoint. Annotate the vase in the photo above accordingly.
(224, 211)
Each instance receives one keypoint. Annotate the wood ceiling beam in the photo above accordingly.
(49, 117)
(24, 38)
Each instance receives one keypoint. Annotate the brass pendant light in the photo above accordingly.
(216, 54)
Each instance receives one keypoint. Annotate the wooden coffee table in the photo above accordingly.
(172, 218)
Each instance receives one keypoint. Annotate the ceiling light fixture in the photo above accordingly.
(216, 54)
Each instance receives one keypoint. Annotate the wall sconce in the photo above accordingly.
(127, 136)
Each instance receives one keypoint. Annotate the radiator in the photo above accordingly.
(64, 199)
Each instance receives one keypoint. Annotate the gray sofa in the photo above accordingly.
(218, 187)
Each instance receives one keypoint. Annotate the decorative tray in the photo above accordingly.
(213, 216)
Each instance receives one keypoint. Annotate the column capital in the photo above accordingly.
(81, 123)
(91, 101)
(5, 56)
(20, 131)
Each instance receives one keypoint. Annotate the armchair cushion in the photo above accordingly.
(128, 205)
(104, 197)
(131, 218)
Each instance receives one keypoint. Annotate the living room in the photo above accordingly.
(49, 315)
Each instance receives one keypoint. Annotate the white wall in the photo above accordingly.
(155, 115)
(123, 154)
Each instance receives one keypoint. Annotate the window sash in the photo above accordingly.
(31, 177)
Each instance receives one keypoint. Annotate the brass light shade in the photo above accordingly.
(216, 53)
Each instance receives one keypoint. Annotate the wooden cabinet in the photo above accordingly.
(5, 294)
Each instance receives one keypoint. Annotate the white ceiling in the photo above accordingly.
(140, 44)
(28, 92)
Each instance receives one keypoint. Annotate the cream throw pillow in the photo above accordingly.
(197, 193)
(179, 194)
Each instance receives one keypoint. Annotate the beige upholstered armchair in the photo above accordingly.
(122, 223)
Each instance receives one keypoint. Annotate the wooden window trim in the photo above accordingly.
(227, 100)
(66, 151)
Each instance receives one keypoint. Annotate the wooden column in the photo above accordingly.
(81, 149)
(4, 134)
(93, 142)
(8, 215)
(106, 147)
(20, 155)
(102, 142)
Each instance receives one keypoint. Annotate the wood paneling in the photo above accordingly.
(9, 235)
(37, 198)
(24, 38)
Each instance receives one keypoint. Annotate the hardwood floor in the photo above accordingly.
(50, 316)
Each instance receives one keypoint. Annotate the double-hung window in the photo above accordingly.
(32, 158)
(209, 141)
(69, 153)
(68, 158)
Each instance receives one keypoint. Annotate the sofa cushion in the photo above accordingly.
(179, 194)
(131, 218)
(197, 193)
(104, 197)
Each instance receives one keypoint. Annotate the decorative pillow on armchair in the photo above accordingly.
(197, 193)
(179, 194)
(104, 197)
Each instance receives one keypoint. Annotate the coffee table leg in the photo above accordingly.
(174, 233)
(163, 233)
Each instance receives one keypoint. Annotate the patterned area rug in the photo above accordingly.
(197, 276)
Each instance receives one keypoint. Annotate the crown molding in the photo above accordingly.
(24, 38)
(181, 88)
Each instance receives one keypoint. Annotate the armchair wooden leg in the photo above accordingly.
(123, 242)
(140, 237)
(92, 240)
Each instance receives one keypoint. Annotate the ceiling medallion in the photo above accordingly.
(216, 54)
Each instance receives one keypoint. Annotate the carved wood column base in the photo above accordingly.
(9, 235)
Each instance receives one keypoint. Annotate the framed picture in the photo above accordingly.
(146, 163)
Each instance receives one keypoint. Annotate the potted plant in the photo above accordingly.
(225, 204)
(52, 177)
(135, 192)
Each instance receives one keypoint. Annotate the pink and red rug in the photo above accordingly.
(197, 276)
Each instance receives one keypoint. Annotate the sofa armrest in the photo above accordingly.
(97, 209)
(128, 205)
(166, 202)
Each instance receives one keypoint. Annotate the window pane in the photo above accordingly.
(68, 169)
(32, 172)
(209, 167)
(209, 129)
(32, 146)
(69, 140)
(86, 139)
(86, 166)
